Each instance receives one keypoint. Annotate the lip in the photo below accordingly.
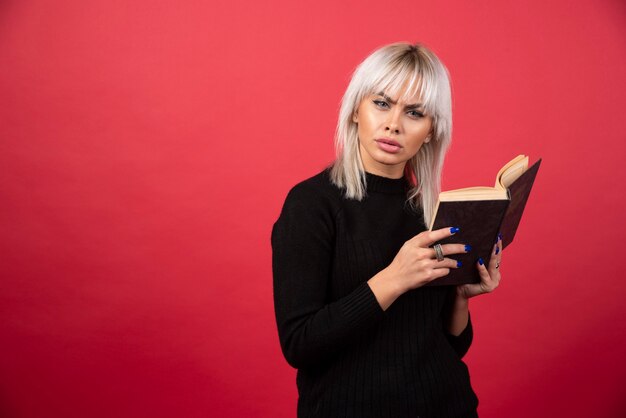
(389, 141)
(388, 145)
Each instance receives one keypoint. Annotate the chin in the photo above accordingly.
(390, 159)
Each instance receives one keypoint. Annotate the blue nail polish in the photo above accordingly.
(454, 230)
(458, 263)
(468, 248)
(480, 261)
(497, 250)
(499, 236)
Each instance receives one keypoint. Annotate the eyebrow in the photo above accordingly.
(409, 106)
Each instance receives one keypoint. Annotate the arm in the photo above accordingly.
(311, 329)
(458, 323)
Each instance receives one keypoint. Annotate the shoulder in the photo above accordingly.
(315, 190)
(313, 198)
(310, 210)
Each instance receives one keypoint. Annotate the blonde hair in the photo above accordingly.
(388, 69)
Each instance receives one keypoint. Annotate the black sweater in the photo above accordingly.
(353, 358)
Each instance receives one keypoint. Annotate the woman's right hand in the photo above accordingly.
(415, 265)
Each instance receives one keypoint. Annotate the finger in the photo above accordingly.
(494, 262)
(449, 263)
(482, 271)
(448, 249)
(427, 238)
(489, 277)
(432, 264)
(495, 251)
(498, 251)
(499, 243)
(456, 248)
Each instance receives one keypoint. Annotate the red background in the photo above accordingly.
(146, 148)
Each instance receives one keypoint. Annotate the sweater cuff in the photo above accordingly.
(361, 306)
(461, 343)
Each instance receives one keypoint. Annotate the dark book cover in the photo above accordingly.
(519, 192)
(479, 222)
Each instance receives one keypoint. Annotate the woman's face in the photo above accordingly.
(390, 133)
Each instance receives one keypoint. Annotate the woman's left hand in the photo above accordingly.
(489, 276)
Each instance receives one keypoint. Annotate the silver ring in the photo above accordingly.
(438, 252)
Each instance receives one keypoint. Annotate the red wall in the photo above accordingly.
(146, 148)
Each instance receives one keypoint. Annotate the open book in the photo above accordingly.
(482, 212)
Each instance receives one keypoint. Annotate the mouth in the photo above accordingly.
(388, 141)
(388, 145)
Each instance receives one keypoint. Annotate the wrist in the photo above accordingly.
(397, 287)
(385, 287)
(461, 293)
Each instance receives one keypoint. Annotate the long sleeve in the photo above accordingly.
(310, 328)
(462, 342)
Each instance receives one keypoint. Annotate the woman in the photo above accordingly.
(351, 256)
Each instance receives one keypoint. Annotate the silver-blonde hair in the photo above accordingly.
(388, 69)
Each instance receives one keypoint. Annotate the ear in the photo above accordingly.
(355, 118)
(429, 137)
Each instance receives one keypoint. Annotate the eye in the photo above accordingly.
(416, 114)
(380, 103)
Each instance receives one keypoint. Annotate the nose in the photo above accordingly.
(392, 124)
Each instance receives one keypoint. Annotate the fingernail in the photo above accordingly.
(497, 250)
(480, 261)
(468, 248)
(454, 230)
(499, 236)
(458, 263)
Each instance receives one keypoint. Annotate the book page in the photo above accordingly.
(473, 193)
(511, 171)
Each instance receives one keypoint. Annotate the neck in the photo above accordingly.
(389, 173)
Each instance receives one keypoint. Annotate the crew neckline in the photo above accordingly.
(376, 183)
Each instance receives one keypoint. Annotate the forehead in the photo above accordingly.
(401, 89)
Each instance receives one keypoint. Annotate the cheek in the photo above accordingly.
(419, 133)
(367, 127)
(418, 139)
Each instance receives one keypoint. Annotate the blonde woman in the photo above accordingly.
(351, 255)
